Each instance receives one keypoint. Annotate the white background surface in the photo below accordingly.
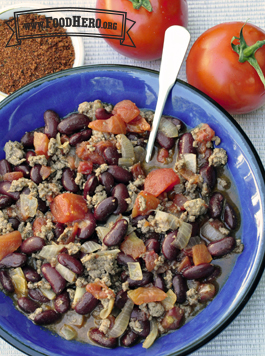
(245, 336)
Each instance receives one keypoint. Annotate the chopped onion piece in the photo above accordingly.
(190, 161)
(126, 147)
(90, 246)
(19, 281)
(122, 320)
(167, 221)
(75, 319)
(102, 231)
(168, 128)
(50, 251)
(108, 252)
(170, 300)
(126, 162)
(140, 154)
(130, 229)
(135, 271)
(194, 240)
(66, 273)
(48, 293)
(183, 236)
(28, 205)
(79, 292)
(210, 233)
(152, 335)
(105, 312)
(67, 332)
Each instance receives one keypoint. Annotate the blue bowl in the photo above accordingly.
(62, 92)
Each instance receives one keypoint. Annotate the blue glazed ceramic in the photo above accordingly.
(62, 92)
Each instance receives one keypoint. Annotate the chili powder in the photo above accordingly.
(33, 58)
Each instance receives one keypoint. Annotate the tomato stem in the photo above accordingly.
(144, 3)
(247, 53)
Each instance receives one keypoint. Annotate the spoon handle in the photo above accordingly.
(176, 42)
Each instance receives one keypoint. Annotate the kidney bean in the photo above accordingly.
(230, 218)
(124, 276)
(203, 158)
(56, 281)
(4, 189)
(176, 122)
(111, 155)
(185, 144)
(40, 129)
(209, 175)
(90, 185)
(62, 303)
(80, 137)
(152, 244)
(35, 175)
(6, 281)
(51, 119)
(105, 208)
(32, 244)
(159, 283)
(107, 180)
(37, 295)
(222, 247)
(70, 262)
(138, 314)
(173, 318)
(120, 192)
(27, 139)
(27, 305)
(73, 123)
(180, 288)
(86, 231)
(102, 114)
(206, 291)
(46, 317)
(120, 174)
(216, 205)
(196, 272)
(5, 201)
(5, 167)
(14, 222)
(129, 338)
(59, 229)
(135, 221)
(164, 141)
(24, 168)
(101, 339)
(116, 235)
(147, 278)
(31, 274)
(29, 154)
(86, 304)
(145, 326)
(120, 299)
(170, 251)
(68, 181)
(123, 259)
(216, 273)
(13, 260)
(42, 206)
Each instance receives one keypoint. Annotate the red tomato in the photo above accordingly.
(148, 31)
(138, 125)
(214, 68)
(41, 143)
(127, 110)
(9, 243)
(144, 202)
(143, 295)
(68, 207)
(114, 125)
(160, 180)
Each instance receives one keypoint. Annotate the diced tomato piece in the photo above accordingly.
(150, 257)
(162, 155)
(9, 243)
(37, 225)
(179, 200)
(102, 145)
(138, 125)
(96, 158)
(127, 110)
(70, 237)
(144, 202)
(173, 318)
(114, 125)
(185, 262)
(137, 170)
(68, 207)
(201, 254)
(99, 290)
(71, 162)
(188, 175)
(85, 167)
(10, 176)
(45, 171)
(133, 246)
(160, 180)
(41, 142)
(205, 133)
(143, 295)
(86, 155)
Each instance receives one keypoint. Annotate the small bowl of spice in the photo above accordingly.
(47, 49)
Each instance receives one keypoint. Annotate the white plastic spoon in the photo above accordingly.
(176, 42)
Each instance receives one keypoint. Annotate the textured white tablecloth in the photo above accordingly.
(245, 336)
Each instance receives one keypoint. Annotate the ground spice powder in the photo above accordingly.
(33, 58)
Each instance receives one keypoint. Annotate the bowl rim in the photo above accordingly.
(260, 268)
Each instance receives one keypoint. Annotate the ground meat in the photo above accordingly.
(102, 168)
(25, 229)
(156, 309)
(142, 203)
(80, 180)
(168, 279)
(89, 108)
(46, 230)
(19, 184)
(14, 152)
(104, 325)
(218, 157)
(196, 207)
(135, 325)
(5, 226)
(48, 189)
(40, 159)
(192, 296)
(33, 315)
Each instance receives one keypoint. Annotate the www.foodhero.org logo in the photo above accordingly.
(81, 20)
